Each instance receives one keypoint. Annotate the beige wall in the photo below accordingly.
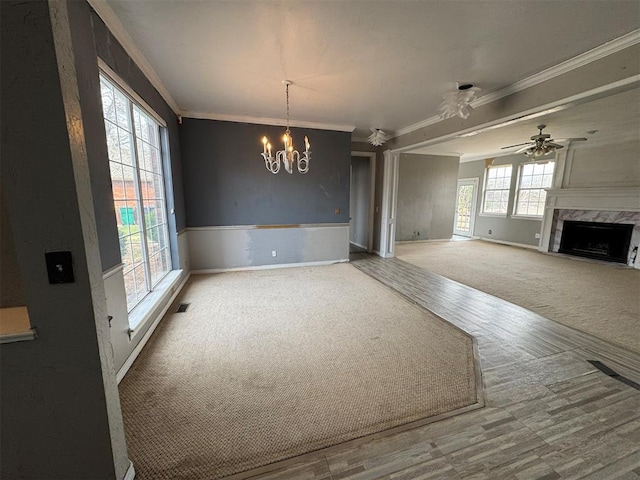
(605, 165)
(426, 197)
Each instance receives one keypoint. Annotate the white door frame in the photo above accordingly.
(372, 194)
(474, 201)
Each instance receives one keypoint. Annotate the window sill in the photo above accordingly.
(496, 215)
(15, 325)
(144, 311)
(527, 217)
(18, 337)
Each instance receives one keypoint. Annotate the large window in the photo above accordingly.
(496, 189)
(135, 162)
(534, 178)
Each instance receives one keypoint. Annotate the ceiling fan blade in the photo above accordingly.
(557, 146)
(524, 149)
(518, 144)
(568, 140)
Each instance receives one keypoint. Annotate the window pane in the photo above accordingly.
(108, 103)
(130, 287)
(496, 192)
(141, 282)
(125, 142)
(531, 194)
(122, 110)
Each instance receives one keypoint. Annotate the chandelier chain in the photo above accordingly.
(288, 132)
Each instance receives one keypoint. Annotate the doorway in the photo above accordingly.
(362, 185)
(465, 213)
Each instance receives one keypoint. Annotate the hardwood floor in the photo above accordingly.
(549, 413)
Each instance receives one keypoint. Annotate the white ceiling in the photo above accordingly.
(364, 64)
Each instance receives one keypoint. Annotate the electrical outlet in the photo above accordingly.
(490, 232)
(274, 253)
(537, 235)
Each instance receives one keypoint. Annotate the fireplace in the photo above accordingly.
(602, 241)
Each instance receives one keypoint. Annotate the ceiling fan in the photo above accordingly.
(541, 144)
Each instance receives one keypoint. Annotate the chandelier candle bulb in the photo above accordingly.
(306, 143)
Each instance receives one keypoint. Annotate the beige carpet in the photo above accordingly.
(600, 299)
(271, 364)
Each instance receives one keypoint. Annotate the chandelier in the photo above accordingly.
(288, 155)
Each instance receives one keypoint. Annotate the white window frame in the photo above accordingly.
(483, 212)
(135, 99)
(541, 189)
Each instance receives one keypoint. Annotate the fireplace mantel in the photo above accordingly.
(587, 199)
(611, 199)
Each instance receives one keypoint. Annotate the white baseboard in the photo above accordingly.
(358, 244)
(143, 341)
(131, 472)
(504, 242)
(268, 267)
(377, 252)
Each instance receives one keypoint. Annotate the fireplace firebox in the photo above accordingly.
(602, 241)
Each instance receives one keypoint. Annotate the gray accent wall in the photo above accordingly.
(503, 228)
(426, 197)
(226, 182)
(54, 413)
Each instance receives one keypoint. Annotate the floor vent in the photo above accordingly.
(182, 308)
(613, 374)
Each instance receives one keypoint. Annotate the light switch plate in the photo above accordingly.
(59, 267)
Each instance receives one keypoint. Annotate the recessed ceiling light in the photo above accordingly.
(591, 132)
(465, 86)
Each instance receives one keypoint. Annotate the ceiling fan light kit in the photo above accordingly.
(288, 155)
(458, 102)
(541, 144)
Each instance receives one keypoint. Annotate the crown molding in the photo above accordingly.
(628, 40)
(419, 125)
(114, 25)
(601, 51)
(267, 121)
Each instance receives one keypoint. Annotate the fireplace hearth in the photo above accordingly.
(602, 241)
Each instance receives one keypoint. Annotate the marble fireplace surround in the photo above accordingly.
(602, 205)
